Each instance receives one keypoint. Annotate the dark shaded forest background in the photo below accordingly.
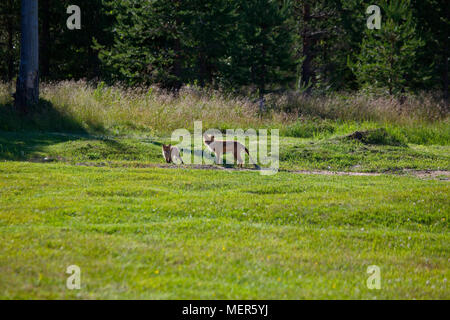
(252, 46)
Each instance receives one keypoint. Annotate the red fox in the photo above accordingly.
(219, 148)
(171, 153)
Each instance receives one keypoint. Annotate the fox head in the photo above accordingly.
(167, 152)
(208, 141)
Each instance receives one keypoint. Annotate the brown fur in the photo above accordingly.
(221, 147)
(170, 152)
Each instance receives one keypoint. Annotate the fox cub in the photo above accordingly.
(171, 153)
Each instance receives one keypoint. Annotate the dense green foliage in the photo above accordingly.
(388, 56)
(374, 154)
(64, 53)
(265, 45)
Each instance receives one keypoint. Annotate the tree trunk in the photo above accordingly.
(262, 100)
(176, 85)
(262, 80)
(446, 58)
(445, 73)
(205, 70)
(45, 40)
(177, 64)
(10, 31)
(306, 41)
(27, 90)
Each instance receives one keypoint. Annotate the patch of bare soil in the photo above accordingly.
(429, 174)
(336, 173)
(375, 136)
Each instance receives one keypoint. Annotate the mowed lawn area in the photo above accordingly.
(156, 233)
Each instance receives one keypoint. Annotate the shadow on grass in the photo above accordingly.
(155, 143)
(43, 117)
(22, 136)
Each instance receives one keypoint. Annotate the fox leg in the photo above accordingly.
(179, 157)
(239, 160)
(218, 155)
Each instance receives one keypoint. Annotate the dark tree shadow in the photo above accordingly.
(21, 135)
(156, 143)
(22, 146)
(42, 117)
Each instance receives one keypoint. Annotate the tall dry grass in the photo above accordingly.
(120, 110)
(423, 107)
(149, 108)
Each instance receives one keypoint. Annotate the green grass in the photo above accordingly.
(334, 153)
(174, 233)
(416, 132)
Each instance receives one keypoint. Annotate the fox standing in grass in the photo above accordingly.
(171, 153)
(219, 148)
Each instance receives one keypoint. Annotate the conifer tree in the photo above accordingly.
(149, 42)
(388, 56)
(9, 38)
(263, 54)
(433, 26)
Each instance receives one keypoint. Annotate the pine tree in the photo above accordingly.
(148, 42)
(315, 24)
(434, 27)
(263, 54)
(69, 54)
(388, 56)
(9, 38)
(212, 29)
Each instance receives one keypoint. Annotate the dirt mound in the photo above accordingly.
(376, 136)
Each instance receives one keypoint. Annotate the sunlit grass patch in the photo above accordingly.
(187, 234)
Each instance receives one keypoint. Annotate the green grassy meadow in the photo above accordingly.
(188, 234)
(83, 182)
(335, 153)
